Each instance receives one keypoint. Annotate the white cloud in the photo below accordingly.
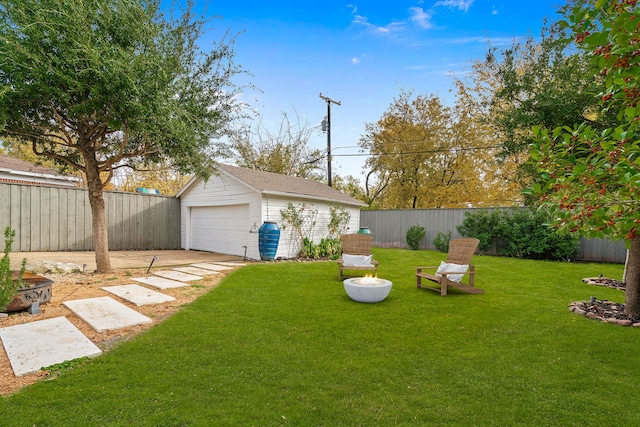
(420, 17)
(355, 60)
(494, 11)
(455, 4)
(354, 8)
(387, 29)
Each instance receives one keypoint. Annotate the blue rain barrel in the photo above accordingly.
(268, 238)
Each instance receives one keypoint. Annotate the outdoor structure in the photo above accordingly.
(18, 171)
(224, 214)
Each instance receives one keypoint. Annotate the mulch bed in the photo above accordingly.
(604, 310)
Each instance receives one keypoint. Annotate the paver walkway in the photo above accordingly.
(34, 345)
(138, 295)
(105, 314)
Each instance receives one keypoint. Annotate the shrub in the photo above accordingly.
(521, 233)
(415, 233)
(328, 247)
(8, 285)
(441, 242)
(482, 225)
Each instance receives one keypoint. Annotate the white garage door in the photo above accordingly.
(221, 229)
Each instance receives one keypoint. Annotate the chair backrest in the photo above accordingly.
(461, 250)
(356, 244)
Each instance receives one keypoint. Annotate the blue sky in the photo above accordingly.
(362, 53)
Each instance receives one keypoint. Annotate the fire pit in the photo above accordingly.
(367, 289)
(37, 290)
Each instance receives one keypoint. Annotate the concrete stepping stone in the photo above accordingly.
(177, 275)
(195, 270)
(214, 267)
(160, 282)
(138, 295)
(105, 313)
(49, 342)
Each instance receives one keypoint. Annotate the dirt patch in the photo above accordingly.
(78, 286)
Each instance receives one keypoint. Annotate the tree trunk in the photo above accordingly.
(632, 292)
(99, 217)
(100, 234)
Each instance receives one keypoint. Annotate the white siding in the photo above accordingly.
(233, 208)
(221, 191)
(287, 247)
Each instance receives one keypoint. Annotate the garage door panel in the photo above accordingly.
(221, 229)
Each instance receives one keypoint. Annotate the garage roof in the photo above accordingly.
(284, 185)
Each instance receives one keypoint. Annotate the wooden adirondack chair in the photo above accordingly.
(356, 244)
(451, 274)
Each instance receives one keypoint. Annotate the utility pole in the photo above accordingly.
(328, 127)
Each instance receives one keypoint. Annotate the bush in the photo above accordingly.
(521, 233)
(8, 284)
(441, 242)
(415, 233)
(482, 225)
(328, 247)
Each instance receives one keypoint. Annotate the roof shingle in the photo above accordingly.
(275, 183)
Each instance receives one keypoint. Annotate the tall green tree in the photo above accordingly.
(102, 84)
(590, 177)
(543, 81)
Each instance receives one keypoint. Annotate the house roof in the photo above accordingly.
(283, 185)
(20, 171)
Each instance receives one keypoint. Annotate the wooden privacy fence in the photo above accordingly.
(389, 229)
(59, 219)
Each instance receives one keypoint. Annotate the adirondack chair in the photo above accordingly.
(356, 254)
(451, 272)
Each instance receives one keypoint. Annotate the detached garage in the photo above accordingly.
(223, 214)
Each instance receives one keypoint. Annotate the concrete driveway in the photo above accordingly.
(124, 259)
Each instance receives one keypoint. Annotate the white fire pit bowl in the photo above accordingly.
(367, 289)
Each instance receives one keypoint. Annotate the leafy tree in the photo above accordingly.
(425, 154)
(590, 177)
(99, 85)
(536, 81)
(349, 185)
(285, 151)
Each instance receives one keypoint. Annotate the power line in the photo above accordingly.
(402, 153)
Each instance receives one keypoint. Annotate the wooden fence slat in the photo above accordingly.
(48, 218)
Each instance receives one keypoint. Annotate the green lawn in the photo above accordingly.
(282, 344)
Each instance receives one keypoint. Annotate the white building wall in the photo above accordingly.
(225, 191)
(289, 239)
(221, 191)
